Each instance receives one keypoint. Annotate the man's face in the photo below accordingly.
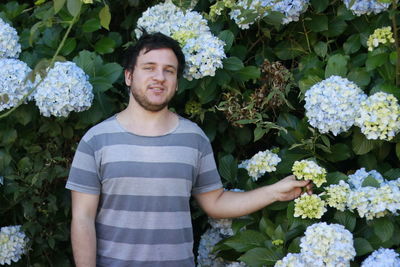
(153, 81)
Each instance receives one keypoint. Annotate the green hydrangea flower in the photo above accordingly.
(309, 170)
(309, 206)
(382, 35)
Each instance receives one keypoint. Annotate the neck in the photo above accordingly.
(140, 121)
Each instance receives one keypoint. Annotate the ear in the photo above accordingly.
(128, 77)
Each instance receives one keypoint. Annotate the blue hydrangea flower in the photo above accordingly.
(12, 244)
(333, 104)
(14, 83)
(361, 7)
(9, 41)
(382, 257)
(66, 88)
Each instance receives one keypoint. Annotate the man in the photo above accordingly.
(133, 174)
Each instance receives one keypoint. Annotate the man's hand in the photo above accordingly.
(289, 188)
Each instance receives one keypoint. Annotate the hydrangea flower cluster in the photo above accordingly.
(191, 31)
(66, 88)
(382, 257)
(291, 260)
(290, 9)
(309, 206)
(260, 163)
(14, 83)
(207, 242)
(337, 195)
(361, 7)
(357, 179)
(9, 41)
(379, 116)
(333, 104)
(309, 170)
(327, 245)
(12, 244)
(382, 35)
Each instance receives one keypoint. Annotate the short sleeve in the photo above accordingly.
(208, 178)
(83, 176)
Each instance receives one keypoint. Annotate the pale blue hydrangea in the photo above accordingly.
(361, 7)
(291, 260)
(66, 88)
(14, 82)
(327, 245)
(337, 195)
(382, 257)
(9, 41)
(291, 10)
(379, 116)
(356, 180)
(13, 243)
(333, 104)
(236, 264)
(260, 163)
(203, 51)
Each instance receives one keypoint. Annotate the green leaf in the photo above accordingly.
(233, 63)
(58, 5)
(105, 17)
(105, 45)
(274, 18)
(258, 257)
(339, 152)
(308, 81)
(361, 145)
(352, 44)
(246, 240)
(318, 23)
(207, 91)
(321, 48)
(228, 37)
(91, 25)
(24, 164)
(383, 228)
(336, 27)
(387, 88)
(258, 133)
(336, 177)
(360, 76)
(8, 136)
(68, 47)
(100, 84)
(375, 61)
(371, 181)
(5, 160)
(337, 65)
(319, 5)
(347, 219)
(362, 246)
(228, 168)
(289, 50)
(398, 150)
(248, 73)
(74, 7)
(110, 71)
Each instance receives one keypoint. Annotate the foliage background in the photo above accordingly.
(36, 152)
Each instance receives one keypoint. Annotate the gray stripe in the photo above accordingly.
(84, 161)
(85, 148)
(105, 127)
(206, 178)
(191, 140)
(207, 163)
(144, 220)
(176, 154)
(82, 189)
(111, 262)
(144, 236)
(146, 170)
(147, 187)
(83, 177)
(141, 252)
(145, 203)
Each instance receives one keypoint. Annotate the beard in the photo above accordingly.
(144, 102)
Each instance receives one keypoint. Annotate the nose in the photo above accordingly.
(159, 75)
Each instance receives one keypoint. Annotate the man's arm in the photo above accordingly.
(83, 232)
(226, 204)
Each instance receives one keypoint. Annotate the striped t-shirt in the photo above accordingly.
(145, 183)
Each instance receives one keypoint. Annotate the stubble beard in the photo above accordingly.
(142, 100)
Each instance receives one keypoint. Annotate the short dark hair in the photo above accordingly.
(151, 41)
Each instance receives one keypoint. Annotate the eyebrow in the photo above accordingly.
(153, 63)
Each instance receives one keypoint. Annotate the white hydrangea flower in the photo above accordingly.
(356, 180)
(337, 195)
(14, 83)
(66, 88)
(236, 264)
(309, 170)
(223, 225)
(260, 163)
(291, 260)
(290, 9)
(361, 7)
(333, 104)
(12, 244)
(379, 116)
(327, 245)
(9, 41)
(382, 257)
(203, 51)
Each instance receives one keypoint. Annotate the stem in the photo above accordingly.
(42, 78)
(305, 33)
(396, 38)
